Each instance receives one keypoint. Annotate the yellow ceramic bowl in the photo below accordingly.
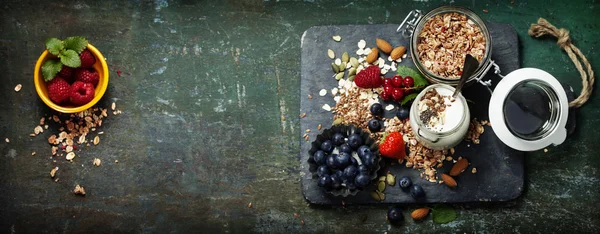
(40, 85)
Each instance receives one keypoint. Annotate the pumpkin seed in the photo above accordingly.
(381, 186)
(354, 62)
(338, 121)
(335, 68)
(331, 54)
(352, 71)
(339, 76)
(337, 38)
(381, 195)
(342, 66)
(375, 196)
(345, 57)
(391, 179)
(381, 178)
(351, 77)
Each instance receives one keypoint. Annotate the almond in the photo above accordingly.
(459, 167)
(448, 180)
(420, 213)
(372, 57)
(398, 52)
(384, 46)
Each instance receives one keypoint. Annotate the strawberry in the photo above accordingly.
(58, 89)
(369, 78)
(82, 93)
(87, 76)
(67, 73)
(393, 146)
(87, 59)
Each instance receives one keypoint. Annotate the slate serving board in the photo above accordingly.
(500, 170)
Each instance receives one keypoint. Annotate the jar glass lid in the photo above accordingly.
(529, 109)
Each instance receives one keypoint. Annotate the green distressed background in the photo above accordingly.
(203, 87)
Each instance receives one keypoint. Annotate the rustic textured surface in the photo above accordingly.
(193, 151)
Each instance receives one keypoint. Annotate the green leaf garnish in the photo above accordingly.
(77, 44)
(408, 98)
(420, 81)
(50, 68)
(54, 46)
(70, 58)
(443, 214)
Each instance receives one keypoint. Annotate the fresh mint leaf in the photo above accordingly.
(420, 81)
(70, 58)
(408, 98)
(443, 214)
(54, 46)
(77, 44)
(50, 68)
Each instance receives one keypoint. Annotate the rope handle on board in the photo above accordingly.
(544, 27)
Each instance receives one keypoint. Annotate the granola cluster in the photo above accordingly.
(352, 108)
(445, 40)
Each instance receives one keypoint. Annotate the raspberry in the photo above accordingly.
(87, 76)
(369, 78)
(58, 89)
(87, 59)
(82, 93)
(67, 73)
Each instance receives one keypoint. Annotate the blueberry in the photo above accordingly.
(394, 215)
(324, 181)
(363, 169)
(403, 113)
(343, 160)
(362, 150)
(405, 183)
(331, 161)
(350, 185)
(320, 157)
(355, 141)
(346, 148)
(374, 125)
(339, 174)
(338, 139)
(353, 161)
(369, 160)
(376, 109)
(362, 180)
(327, 146)
(416, 191)
(350, 171)
(336, 182)
(322, 170)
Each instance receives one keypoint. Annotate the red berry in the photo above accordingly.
(408, 82)
(369, 78)
(82, 93)
(58, 89)
(397, 94)
(387, 82)
(388, 89)
(67, 73)
(386, 96)
(397, 81)
(87, 76)
(87, 59)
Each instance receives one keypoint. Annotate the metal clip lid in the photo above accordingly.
(411, 21)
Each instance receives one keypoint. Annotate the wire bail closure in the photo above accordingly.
(411, 21)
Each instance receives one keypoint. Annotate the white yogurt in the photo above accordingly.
(452, 115)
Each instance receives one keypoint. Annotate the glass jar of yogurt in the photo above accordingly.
(438, 120)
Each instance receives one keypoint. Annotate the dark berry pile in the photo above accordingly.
(344, 162)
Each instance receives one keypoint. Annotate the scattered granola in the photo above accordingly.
(79, 190)
(474, 170)
(97, 162)
(33, 153)
(250, 205)
(7, 140)
(445, 40)
(96, 140)
(18, 87)
(53, 172)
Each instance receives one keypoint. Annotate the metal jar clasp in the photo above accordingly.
(411, 21)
